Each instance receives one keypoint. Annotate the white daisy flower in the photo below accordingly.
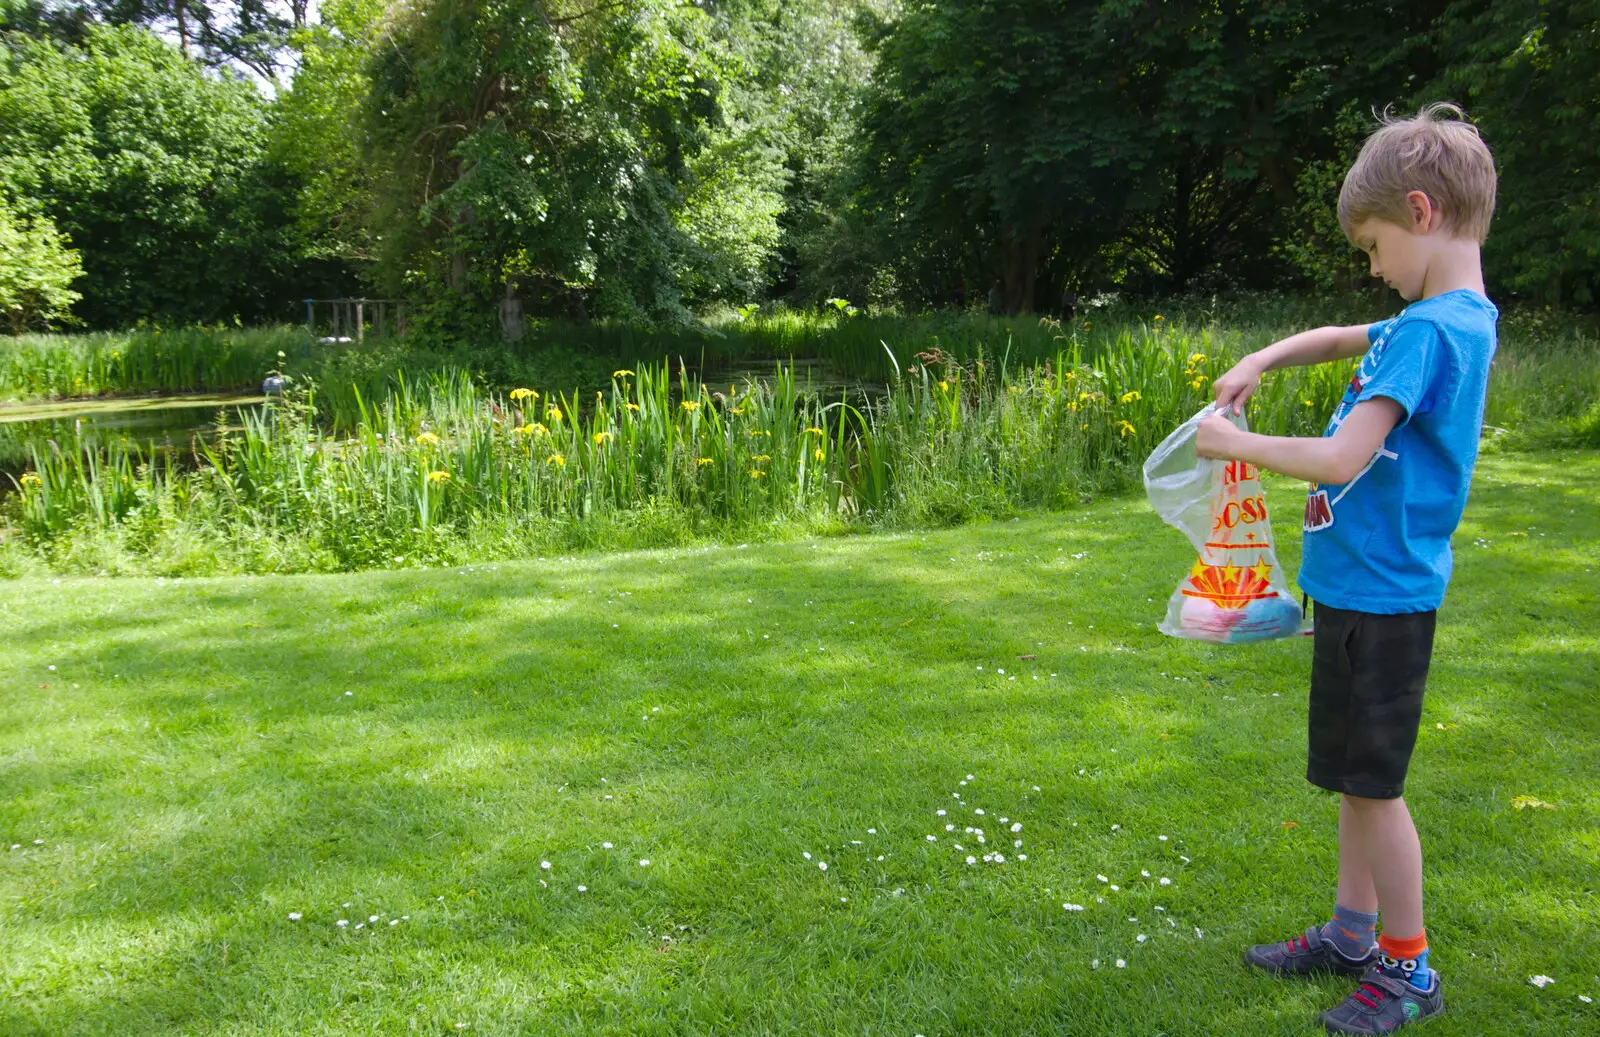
(1198, 933)
(1162, 838)
(1145, 872)
(583, 889)
(1017, 843)
(1184, 859)
(605, 846)
(372, 918)
(1540, 981)
(1017, 827)
(1141, 937)
(394, 922)
(1022, 856)
(1102, 878)
(1586, 999)
(820, 864)
(644, 862)
(1165, 881)
(933, 838)
(940, 812)
(806, 854)
(1073, 907)
(872, 831)
(294, 916)
(545, 865)
(1121, 964)
(949, 828)
(999, 858)
(972, 860)
(1095, 963)
(979, 811)
(1115, 888)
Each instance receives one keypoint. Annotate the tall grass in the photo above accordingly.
(186, 359)
(427, 468)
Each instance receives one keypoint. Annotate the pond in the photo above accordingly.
(168, 422)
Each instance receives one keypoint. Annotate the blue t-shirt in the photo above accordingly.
(1381, 542)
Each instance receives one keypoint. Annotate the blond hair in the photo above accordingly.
(1436, 152)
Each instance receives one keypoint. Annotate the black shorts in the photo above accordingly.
(1368, 672)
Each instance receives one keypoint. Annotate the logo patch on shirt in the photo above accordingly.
(1319, 511)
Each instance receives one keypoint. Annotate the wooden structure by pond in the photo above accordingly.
(349, 320)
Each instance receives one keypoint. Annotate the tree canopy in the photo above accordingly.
(642, 160)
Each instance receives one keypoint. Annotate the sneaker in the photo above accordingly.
(1301, 955)
(1385, 1001)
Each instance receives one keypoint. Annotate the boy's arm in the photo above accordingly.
(1317, 346)
(1334, 459)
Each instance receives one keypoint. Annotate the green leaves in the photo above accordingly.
(37, 269)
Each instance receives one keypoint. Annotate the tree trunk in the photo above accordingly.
(179, 11)
(1022, 248)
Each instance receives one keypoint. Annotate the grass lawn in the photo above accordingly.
(185, 763)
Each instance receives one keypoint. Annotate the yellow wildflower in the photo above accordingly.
(557, 460)
(756, 473)
(816, 430)
(428, 439)
(1126, 429)
(30, 479)
(760, 458)
(438, 477)
(633, 406)
(602, 438)
(689, 405)
(1131, 396)
(818, 454)
(735, 410)
(944, 385)
(523, 394)
(704, 460)
(1308, 403)
(1159, 317)
(621, 374)
(1199, 381)
(554, 414)
(1197, 358)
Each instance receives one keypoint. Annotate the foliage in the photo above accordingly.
(37, 270)
(1050, 145)
(1529, 73)
(318, 136)
(151, 165)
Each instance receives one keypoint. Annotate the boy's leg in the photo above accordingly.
(1393, 860)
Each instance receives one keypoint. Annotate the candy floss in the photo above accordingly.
(1235, 591)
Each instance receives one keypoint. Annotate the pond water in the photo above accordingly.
(168, 422)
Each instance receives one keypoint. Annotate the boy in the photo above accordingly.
(1389, 482)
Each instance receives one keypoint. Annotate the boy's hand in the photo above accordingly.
(1237, 386)
(1214, 437)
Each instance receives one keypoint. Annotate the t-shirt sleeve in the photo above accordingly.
(1412, 361)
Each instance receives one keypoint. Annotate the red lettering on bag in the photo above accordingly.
(1238, 471)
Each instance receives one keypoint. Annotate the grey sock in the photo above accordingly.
(1352, 933)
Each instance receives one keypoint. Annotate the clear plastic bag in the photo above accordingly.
(1235, 591)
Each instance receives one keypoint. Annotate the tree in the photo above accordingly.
(37, 269)
(1028, 142)
(152, 165)
(566, 151)
(1528, 73)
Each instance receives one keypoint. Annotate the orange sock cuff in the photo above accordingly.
(1403, 949)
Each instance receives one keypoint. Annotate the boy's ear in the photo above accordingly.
(1424, 214)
